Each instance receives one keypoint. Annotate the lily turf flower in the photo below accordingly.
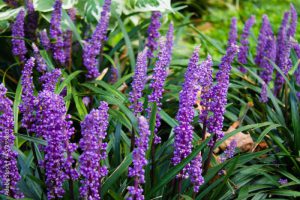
(94, 45)
(9, 175)
(93, 130)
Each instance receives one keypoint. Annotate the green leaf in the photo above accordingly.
(128, 43)
(122, 168)
(175, 170)
(67, 80)
(17, 102)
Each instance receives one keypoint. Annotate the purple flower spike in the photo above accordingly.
(283, 52)
(56, 35)
(153, 33)
(93, 130)
(187, 98)
(265, 33)
(44, 39)
(93, 47)
(40, 62)
(268, 56)
(233, 35)
(50, 79)
(18, 43)
(9, 175)
(139, 160)
(195, 172)
(160, 75)
(206, 83)
(52, 123)
(27, 106)
(138, 83)
(293, 24)
(229, 151)
(31, 21)
(243, 53)
(218, 93)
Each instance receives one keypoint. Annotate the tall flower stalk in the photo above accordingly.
(187, 98)
(153, 33)
(94, 45)
(160, 75)
(93, 130)
(18, 34)
(31, 21)
(139, 161)
(138, 83)
(56, 34)
(9, 175)
(243, 53)
(52, 123)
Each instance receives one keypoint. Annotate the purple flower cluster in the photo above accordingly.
(229, 151)
(9, 175)
(138, 83)
(265, 34)
(243, 53)
(93, 130)
(187, 98)
(31, 22)
(206, 83)
(153, 33)
(233, 35)
(139, 160)
(18, 43)
(195, 172)
(93, 47)
(40, 62)
(52, 123)
(44, 39)
(49, 79)
(268, 56)
(218, 93)
(284, 44)
(56, 35)
(283, 181)
(27, 106)
(160, 75)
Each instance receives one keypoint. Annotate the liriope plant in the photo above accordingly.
(82, 134)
